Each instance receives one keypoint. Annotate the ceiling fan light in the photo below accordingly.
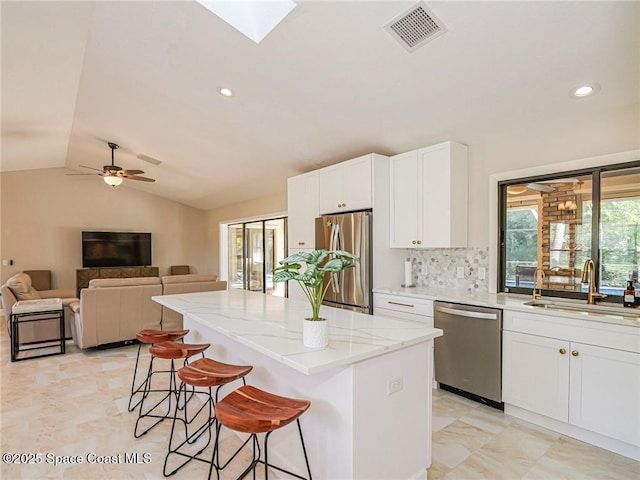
(113, 180)
(516, 189)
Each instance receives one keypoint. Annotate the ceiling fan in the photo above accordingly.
(113, 174)
(540, 186)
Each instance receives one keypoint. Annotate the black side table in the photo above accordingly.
(20, 318)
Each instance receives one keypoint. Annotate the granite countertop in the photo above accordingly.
(515, 302)
(273, 326)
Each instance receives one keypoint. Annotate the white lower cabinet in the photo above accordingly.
(535, 374)
(605, 392)
(594, 386)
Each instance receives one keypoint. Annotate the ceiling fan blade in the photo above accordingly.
(539, 187)
(560, 180)
(131, 172)
(135, 177)
(91, 168)
(83, 174)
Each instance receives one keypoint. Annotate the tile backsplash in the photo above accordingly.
(438, 267)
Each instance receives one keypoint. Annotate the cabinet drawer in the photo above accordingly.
(416, 306)
(591, 332)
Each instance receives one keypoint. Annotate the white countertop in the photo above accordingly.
(509, 301)
(273, 326)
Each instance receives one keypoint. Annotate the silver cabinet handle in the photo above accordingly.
(401, 304)
(465, 313)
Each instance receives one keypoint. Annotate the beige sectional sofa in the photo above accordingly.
(173, 284)
(115, 310)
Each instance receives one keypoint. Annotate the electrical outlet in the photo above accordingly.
(482, 273)
(395, 385)
(460, 272)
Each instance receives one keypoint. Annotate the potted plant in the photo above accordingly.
(309, 269)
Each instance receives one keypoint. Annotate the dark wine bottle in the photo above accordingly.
(629, 299)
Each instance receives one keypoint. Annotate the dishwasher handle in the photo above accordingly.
(466, 313)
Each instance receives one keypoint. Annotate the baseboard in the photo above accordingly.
(613, 445)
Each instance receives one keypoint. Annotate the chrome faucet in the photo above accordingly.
(589, 276)
(536, 285)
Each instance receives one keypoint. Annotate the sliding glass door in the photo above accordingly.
(255, 248)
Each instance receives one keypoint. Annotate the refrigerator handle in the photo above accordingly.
(336, 244)
(363, 253)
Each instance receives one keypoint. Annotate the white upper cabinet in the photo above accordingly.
(428, 197)
(302, 200)
(347, 186)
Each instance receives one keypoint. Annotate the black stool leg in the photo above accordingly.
(135, 389)
(266, 457)
(190, 438)
(172, 391)
(304, 450)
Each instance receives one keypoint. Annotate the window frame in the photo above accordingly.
(595, 173)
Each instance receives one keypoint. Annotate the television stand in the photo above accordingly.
(84, 275)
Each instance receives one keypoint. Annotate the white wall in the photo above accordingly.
(548, 144)
(258, 208)
(44, 212)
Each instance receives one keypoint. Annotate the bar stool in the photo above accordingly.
(251, 410)
(173, 351)
(207, 373)
(149, 336)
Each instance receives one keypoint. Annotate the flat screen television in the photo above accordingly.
(116, 249)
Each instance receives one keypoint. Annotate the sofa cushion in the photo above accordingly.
(20, 285)
(123, 282)
(75, 307)
(40, 279)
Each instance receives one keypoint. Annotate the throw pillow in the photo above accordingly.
(20, 285)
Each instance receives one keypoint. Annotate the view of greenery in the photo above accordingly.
(619, 240)
(521, 239)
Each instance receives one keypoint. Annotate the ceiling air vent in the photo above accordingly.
(415, 27)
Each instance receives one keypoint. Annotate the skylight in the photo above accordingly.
(253, 18)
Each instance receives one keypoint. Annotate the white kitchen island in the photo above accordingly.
(370, 389)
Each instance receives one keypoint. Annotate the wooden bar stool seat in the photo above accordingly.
(148, 336)
(206, 372)
(251, 410)
(171, 350)
(157, 336)
(167, 350)
(202, 373)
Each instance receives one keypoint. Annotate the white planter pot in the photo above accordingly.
(315, 333)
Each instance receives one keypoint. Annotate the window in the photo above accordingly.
(551, 225)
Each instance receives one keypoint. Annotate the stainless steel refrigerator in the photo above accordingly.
(350, 289)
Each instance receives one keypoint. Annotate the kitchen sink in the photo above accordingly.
(582, 307)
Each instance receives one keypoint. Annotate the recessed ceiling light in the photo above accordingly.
(585, 90)
(225, 91)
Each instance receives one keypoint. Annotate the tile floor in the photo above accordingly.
(473, 441)
(76, 405)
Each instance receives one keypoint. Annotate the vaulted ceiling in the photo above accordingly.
(327, 84)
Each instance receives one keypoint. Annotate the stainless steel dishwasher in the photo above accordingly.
(468, 357)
